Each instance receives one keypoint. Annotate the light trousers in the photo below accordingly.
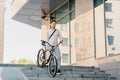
(58, 56)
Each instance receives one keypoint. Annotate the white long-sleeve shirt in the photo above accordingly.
(54, 39)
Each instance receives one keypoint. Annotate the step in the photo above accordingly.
(70, 69)
(67, 78)
(44, 71)
(68, 73)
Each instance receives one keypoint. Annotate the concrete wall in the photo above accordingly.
(1, 29)
(99, 31)
(16, 5)
(86, 19)
(85, 34)
(110, 64)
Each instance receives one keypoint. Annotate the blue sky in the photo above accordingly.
(20, 40)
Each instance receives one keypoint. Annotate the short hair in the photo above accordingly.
(52, 21)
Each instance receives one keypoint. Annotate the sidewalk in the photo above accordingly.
(11, 73)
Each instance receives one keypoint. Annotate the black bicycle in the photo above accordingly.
(47, 56)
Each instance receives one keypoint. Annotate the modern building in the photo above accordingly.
(90, 29)
(1, 29)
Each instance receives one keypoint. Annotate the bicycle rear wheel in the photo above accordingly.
(52, 67)
(41, 58)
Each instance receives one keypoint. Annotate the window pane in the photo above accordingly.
(72, 4)
(65, 41)
(97, 2)
(72, 15)
(64, 27)
(108, 7)
(109, 22)
(64, 57)
(110, 40)
(65, 15)
(62, 11)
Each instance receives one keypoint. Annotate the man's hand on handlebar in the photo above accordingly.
(61, 41)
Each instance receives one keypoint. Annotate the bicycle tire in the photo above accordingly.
(52, 67)
(40, 59)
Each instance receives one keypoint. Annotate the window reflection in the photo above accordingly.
(110, 40)
(108, 7)
(109, 22)
(65, 41)
(65, 16)
(112, 17)
(65, 57)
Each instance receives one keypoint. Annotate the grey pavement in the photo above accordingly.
(10, 73)
(32, 72)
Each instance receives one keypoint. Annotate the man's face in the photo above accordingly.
(53, 24)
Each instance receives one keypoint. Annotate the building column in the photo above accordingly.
(1, 29)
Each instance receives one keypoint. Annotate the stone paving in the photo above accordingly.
(68, 73)
(32, 72)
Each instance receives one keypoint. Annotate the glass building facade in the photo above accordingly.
(109, 24)
(65, 15)
(90, 29)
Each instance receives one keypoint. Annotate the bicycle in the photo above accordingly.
(42, 59)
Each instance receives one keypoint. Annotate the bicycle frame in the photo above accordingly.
(52, 47)
(51, 59)
(51, 50)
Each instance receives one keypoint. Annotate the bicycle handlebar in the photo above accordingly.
(50, 44)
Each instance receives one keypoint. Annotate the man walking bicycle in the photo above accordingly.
(53, 35)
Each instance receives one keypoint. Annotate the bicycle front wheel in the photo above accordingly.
(52, 67)
(40, 58)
